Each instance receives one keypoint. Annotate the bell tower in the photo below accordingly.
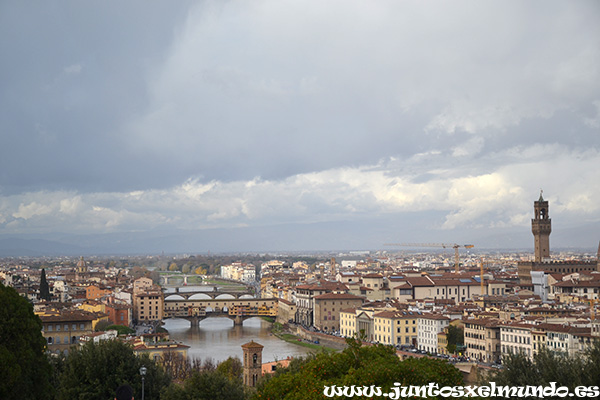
(541, 226)
(252, 362)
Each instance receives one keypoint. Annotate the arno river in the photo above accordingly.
(218, 338)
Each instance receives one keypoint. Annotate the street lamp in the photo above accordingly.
(143, 374)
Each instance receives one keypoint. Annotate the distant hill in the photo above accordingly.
(16, 247)
(324, 236)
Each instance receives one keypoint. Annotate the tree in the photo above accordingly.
(456, 337)
(44, 288)
(359, 366)
(176, 365)
(121, 329)
(95, 370)
(173, 267)
(24, 367)
(547, 366)
(232, 368)
(205, 385)
(102, 325)
(185, 268)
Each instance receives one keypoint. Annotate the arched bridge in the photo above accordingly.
(187, 294)
(238, 310)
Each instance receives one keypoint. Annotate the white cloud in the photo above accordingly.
(32, 209)
(70, 206)
(497, 198)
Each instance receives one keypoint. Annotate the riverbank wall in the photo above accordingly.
(324, 339)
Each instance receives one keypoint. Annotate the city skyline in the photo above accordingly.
(210, 126)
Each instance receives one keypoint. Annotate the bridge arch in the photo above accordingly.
(225, 296)
(174, 296)
(196, 310)
(199, 296)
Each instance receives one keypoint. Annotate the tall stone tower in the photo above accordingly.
(252, 362)
(541, 226)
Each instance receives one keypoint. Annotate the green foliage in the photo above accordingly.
(96, 370)
(44, 288)
(24, 368)
(548, 366)
(456, 337)
(205, 385)
(357, 365)
(232, 368)
(121, 329)
(102, 326)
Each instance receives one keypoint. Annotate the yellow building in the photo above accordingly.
(482, 339)
(99, 309)
(64, 329)
(348, 322)
(396, 327)
(160, 351)
(148, 301)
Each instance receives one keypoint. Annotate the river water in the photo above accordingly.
(218, 338)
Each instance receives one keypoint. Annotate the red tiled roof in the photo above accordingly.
(338, 296)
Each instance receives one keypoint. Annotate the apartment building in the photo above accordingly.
(376, 287)
(566, 339)
(239, 272)
(428, 327)
(482, 339)
(430, 287)
(148, 301)
(306, 293)
(327, 308)
(119, 313)
(94, 292)
(65, 328)
(348, 322)
(584, 289)
(396, 327)
(518, 338)
(358, 322)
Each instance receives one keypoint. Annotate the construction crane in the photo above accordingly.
(443, 245)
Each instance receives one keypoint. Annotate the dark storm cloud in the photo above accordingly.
(72, 72)
(215, 114)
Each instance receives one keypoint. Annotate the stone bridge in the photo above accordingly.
(164, 278)
(210, 294)
(238, 310)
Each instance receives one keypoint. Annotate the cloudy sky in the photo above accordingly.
(353, 122)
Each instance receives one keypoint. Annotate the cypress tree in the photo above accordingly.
(44, 288)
